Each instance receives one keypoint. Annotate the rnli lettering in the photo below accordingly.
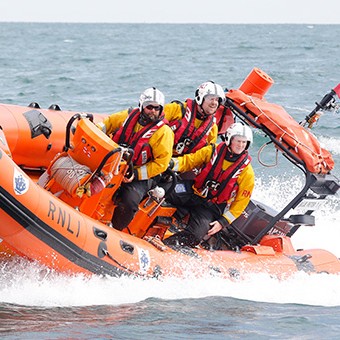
(64, 219)
(246, 193)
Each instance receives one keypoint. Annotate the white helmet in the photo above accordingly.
(209, 87)
(151, 96)
(239, 129)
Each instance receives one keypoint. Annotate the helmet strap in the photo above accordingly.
(232, 157)
(201, 113)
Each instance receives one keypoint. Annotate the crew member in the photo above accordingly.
(221, 190)
(144, 130)
(193, 121)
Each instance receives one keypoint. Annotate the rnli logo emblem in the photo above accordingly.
(144, 260)
(20, 183)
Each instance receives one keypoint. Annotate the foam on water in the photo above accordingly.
(31, 285)
(326, 232)
(331, 144)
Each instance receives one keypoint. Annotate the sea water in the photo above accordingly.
(103, 68)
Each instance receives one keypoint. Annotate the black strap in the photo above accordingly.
(220, 123)
(142, 131)
(198, 138)
(193, 116)
(212, 170)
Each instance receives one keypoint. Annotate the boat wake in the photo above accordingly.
(29, 284)
(332, 144)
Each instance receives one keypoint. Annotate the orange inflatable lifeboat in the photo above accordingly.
(63, 219)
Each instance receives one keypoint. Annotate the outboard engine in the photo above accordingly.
(247, 227)
(255, 218)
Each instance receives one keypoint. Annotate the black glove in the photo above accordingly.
(171, 164)
(135, 174)
(224, 222)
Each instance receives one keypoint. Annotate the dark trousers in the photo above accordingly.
(201, 214)
(127, 200)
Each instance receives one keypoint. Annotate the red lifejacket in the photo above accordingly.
(217, 185)
(138, 141)
(224, 118)
(188, 139)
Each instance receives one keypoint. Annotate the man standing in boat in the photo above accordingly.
(193, 121)
(144, 130)
(221, 190)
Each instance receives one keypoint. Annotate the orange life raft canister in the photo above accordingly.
(257, 83)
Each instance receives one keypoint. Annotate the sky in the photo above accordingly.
(172, 11)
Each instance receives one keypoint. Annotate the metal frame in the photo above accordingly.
(322, 185)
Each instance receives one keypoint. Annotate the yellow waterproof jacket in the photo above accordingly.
(161, 143)
(245, 181)
(173, 111)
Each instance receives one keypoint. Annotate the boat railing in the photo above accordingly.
(316, 188)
